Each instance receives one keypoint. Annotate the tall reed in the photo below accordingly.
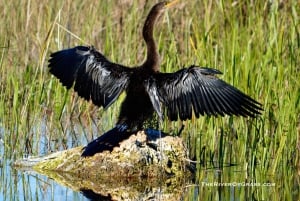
(255, 44)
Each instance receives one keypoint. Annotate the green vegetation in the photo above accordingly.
(256, 46)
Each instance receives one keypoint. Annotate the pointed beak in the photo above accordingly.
(171, 3)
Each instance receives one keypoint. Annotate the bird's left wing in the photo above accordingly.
(95, 77)
(197, 89)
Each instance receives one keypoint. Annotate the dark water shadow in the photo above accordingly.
(115, 188)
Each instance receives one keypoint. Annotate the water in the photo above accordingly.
(27, 185)
(211, 182)
(22, 185)
(211, 185)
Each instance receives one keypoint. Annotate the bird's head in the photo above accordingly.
(158, 8)
(168, 4)
(162, 6)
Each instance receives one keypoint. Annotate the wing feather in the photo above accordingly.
(95, 77)
(198, 89)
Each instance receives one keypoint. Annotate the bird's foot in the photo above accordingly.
(153, 134)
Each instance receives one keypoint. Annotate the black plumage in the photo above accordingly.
(190, 90)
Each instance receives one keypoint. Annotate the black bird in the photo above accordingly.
(147, 89)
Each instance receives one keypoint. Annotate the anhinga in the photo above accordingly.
(147, 89)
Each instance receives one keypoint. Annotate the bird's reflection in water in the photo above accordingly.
(91, 195)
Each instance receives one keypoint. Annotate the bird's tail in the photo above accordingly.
(107, 141)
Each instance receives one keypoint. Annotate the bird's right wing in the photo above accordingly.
(95, 77)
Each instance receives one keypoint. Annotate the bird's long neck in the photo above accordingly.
(152, 60)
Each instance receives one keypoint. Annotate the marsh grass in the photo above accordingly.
(256, 46)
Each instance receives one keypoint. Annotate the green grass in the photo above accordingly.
(255, 45)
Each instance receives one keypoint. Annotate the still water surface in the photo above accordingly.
(211, 183)
(26, 186)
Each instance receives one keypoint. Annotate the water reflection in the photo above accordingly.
(29, 185)
(19, 185)
(116, 188)
(211, 184)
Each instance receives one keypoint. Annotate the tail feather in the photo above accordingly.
(107, 141)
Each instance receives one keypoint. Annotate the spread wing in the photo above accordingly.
(95, 77)
(197, 89)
